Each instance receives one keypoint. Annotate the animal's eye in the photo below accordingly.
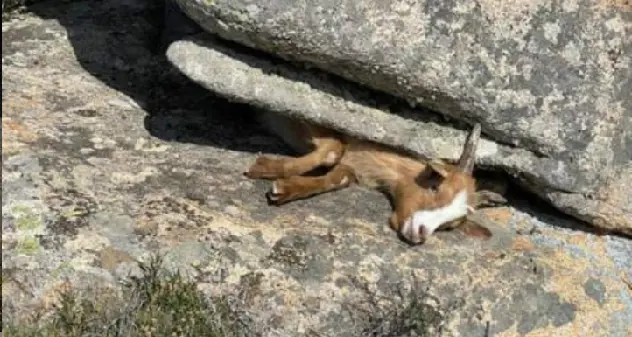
(430, 179)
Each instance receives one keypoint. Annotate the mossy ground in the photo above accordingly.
(28, 245)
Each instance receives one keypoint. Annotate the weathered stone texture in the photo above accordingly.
(105, 163)
(551, 77)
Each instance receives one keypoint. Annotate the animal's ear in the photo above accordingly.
(438, 167)
(433, 175)
(476, 230)
(468, 156)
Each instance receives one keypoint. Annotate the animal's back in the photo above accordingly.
(293, 132)
(374, 165)
(378, 166)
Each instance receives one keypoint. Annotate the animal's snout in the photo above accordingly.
(414, 232)
(422, 234)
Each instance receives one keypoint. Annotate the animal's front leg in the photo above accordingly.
(300, 187)
(327, 154)
(266, 167)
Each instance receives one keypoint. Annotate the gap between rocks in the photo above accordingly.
(522, 186)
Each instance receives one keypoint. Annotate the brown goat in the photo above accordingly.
(427, 195)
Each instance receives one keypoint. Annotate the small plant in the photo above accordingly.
(403, 313)
(149, 305)
(160, 304)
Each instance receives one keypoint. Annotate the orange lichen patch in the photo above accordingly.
(483, 277)
(18, 130)
(567, 280)
(522, 244)
(578, 239)
(612, 209)
(15, 136)
(13, 105)
(619, 4)
(499, 214)
(597, 248)
(492, 255)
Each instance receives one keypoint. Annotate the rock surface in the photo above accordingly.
(550, 79)
(110, 155)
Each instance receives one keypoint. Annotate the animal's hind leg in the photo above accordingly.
(300, 187)
(327, 154)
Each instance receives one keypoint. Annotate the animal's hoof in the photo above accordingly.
(280, 193)
(265, 168)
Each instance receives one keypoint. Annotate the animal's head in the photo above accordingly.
(439, 196)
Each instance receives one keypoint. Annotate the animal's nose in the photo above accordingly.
(421, 235)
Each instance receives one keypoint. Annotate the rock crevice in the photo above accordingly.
(556, 97)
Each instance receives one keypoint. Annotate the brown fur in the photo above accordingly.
(412, 184)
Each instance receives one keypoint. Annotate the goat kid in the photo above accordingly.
(426, 195)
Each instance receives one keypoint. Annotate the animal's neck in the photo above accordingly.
(410, 169)
(402, 180)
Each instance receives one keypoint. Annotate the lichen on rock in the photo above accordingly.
(92, 99)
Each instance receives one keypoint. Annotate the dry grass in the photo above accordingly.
(150, 305)
(400, 313)
(158, 304)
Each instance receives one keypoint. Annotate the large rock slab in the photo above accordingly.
(548, 80)
(105, 164)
